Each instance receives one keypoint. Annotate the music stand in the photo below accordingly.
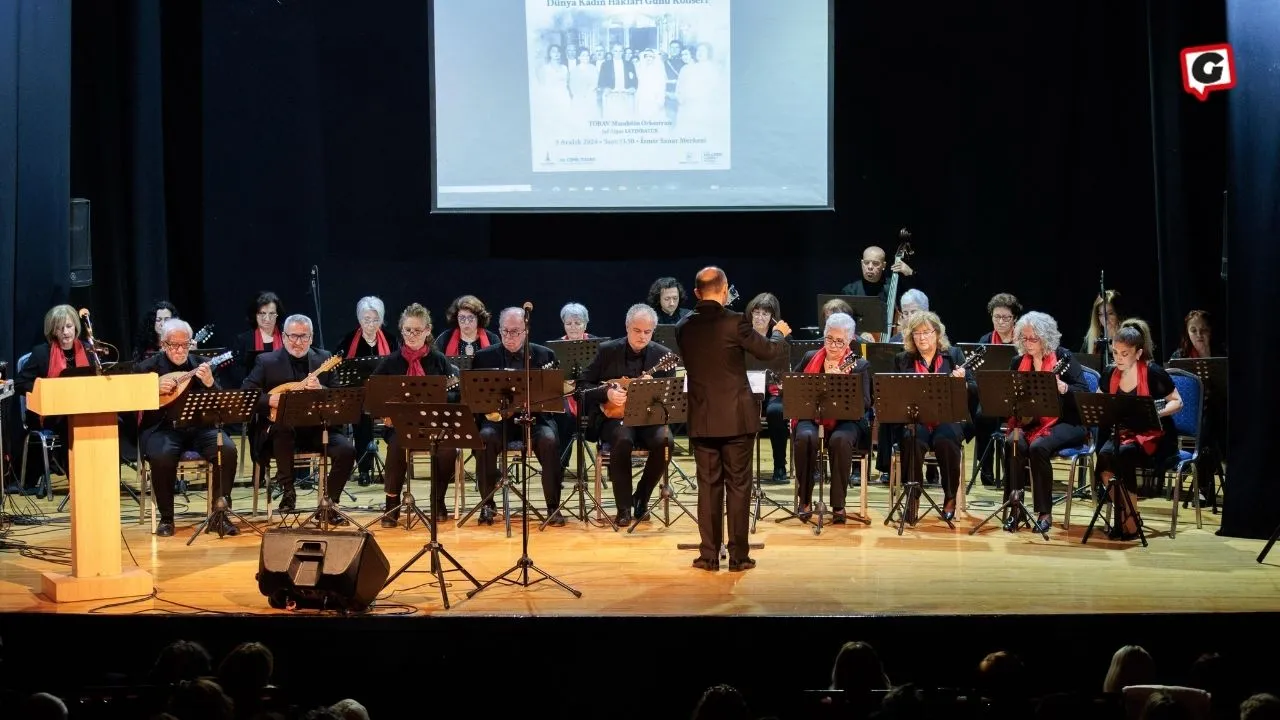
(1089, 360)
(1135, 413)
(869, 311)
(1213, 375)
(387, 393)
(574, 357)
(819, 397)
(994, 355)
(910, 399)
(658, 401)
(773, 370)
(665, 335)
(354, 372)
(215, 408)
(797, 350)
(882, 356)
(1009, 393)
(462, 362)
(323, 408)
(430, 426)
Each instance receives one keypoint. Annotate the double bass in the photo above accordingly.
(891, 290)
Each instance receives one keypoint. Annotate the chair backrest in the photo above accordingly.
(22, 397)
(1187, 420)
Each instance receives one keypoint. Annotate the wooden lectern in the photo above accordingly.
(90, 404)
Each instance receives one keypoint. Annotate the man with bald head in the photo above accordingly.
(872, 283)
(723, 413)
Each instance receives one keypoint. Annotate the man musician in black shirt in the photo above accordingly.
(628, 357)
(162, 444)
(872, 284)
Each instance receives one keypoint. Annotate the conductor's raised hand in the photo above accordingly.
(782, 327)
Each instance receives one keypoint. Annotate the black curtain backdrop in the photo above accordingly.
(1253, 498)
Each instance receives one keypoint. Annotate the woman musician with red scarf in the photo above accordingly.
(1036, 440)
(416, 357)
(62, 349)
(1134, 373)
(466, 335)
(366, 340)
(842, 435)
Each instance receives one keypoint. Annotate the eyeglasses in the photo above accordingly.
(1002, 318)
(1030, 340)
(507, 332)
(267, 314)
(297, 337)
(178, 346)
(413, 332)
(466, 319)
(924, 333)
(835, 342)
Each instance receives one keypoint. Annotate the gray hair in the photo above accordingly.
(573, 309)
(370, 303)
(914, 297)
(641, 309)
(1042, 326)
(510, 311)
(841, 321)
(298, 320)
(173, 325)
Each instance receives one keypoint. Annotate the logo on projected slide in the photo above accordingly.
(1208, 68)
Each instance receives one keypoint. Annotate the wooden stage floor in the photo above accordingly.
(851, 570)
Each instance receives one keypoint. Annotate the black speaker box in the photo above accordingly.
(333, 570)
(81, 244)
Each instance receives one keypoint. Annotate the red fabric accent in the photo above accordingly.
(58, 361)
(276, 341)
(1039, 426)
(455, 339)
(815, 366)
(995, 339)
(414, 357)
(1148, 441)
(924, 370)
(383, 347)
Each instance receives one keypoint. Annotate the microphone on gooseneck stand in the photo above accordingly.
(92, 350)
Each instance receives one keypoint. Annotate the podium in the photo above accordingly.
(90, 404)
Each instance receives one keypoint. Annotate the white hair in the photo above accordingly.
(574, 309)
(510, 311)
(841, 321)
(1044, 327)
(370, 303)
(914, 297)
(298, 320)
(641, 309)
(173, 325)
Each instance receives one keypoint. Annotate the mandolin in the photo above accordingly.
(202, 335)
(614, 411)
(975, 358)
(497, 416)
(183, 378)
(325, 366)
(904, 251)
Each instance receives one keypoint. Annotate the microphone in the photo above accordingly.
(84, 315)
(528, 309)
(89, 344)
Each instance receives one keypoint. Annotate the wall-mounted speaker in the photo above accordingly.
(81, 244)
(331, 570)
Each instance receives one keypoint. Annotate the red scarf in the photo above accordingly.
(275, 339)
(995, 339)
(58, 361)
(815, 366)
(383, 348)
(1039, 426)
(1148, 441)
(455, 339)
(414, 357)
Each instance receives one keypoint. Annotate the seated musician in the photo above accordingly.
(1036, 440)
(1004, 309)
(294, 363)
(1196, 342)
(574, 317)
(1197, 333)
(872, 282)
(929, 350)
(509, 355)
(416, 357)
(628, 357)
(366, 340)
(1134, 373)
(913, 302)
(842, 436)
(147, 341)
(163, 444)
(666, 297)
(467, 321)
(62, 349)
(263, 336)
(833, 306)
(765, 311)
(1102, 312)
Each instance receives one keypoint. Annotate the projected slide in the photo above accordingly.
(633, 103)
(567, 105)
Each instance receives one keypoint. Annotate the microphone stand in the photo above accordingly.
(1104, 342)
(315, 298)
(91, 348)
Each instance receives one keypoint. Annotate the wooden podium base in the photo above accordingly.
(62, 587)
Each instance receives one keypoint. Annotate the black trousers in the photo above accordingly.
(362, 434)
(566, 426)
(983, 429)
(1039, 457)
(945, 441)
(283, 442)
(1124, 463)
(776, 426)
(724, 469)
(546, 447)
(443, 464)
(163, 448)
(841, 441)
(622, 439)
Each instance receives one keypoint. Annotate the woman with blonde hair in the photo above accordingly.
(60, 350)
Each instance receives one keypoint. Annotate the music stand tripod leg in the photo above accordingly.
(1014, 502)
(665, 497)
(1267, 548)
(582, 492)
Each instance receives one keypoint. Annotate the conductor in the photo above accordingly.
(723, 414)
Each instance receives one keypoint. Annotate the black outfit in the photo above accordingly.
(944, 439)
(615, 359)
(163, 444)
(1123, 463)
(37, 366)
(464, 347)
(1213, 437)
(567, 424)
(862, 288)
(841, 441)
(723, 420)
(983, 429)
(233, 374)
(362, 432)
(546, 446)
(776, 424)
(443, 462)
(665, 319)
(1067, 432)
(276, 368)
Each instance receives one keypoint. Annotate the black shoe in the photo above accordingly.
(336, 519)
(222, 526)
(838, 517)
(556, 519)
(164, 529)
(288, 500)
(486, 515)
(705, 564)
(742, 565)
(779, 477)
(622, 519)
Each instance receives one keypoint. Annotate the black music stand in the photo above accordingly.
(658, 401)
(503, 392)
(324, 408)
(870, 313)
(818, 397)
(773, 371)
(882, 356)
(1089, 360)
(1212, 372)
(797, 349)
(574, 357)
(665, 335)
(1135, 413)
(354, 372)
(994, 355)
(430, 426)
(909, 399)
(215, 408)
(462, 362)
(387, 393)
(1011, 393)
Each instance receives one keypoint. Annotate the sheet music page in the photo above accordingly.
(756, 379)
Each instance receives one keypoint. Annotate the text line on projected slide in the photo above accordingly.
(618, 85)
